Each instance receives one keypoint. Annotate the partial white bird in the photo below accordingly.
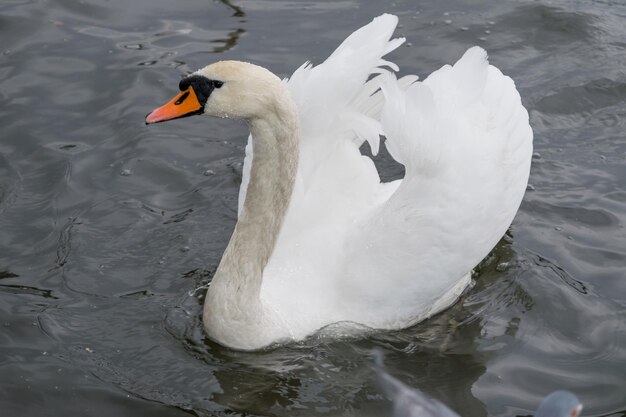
(411, 402)
(320, 239)
(407, 401)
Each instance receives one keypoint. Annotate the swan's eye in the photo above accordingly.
(217, 84)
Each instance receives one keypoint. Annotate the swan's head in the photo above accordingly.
(224, 89)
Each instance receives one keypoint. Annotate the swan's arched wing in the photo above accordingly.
(349, 242)
(338, 111)
(332, 98)
(464, 138)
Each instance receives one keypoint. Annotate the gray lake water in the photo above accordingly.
(107, 226)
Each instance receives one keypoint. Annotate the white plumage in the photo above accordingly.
(353, 249)
(389, 255)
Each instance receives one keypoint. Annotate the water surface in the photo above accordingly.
(107, 226)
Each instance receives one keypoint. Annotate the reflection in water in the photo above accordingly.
(64, 246)
(230, 42)
(238, 11)
(561, 273)
(23, 289)
(7, 274)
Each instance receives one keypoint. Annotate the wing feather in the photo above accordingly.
(349, 241)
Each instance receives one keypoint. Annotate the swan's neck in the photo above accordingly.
(269, 191)
(233, 299)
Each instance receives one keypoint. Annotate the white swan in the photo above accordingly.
(320, 239)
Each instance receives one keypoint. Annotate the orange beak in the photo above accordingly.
(184, 104)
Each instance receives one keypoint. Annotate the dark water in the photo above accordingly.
(107, 226)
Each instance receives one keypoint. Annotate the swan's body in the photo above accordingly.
(319, 239)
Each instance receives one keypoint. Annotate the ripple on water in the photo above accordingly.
(545, 26)
(544, 356)
(102, 275)
(597, 94)
(574, 214)
(9, 184)
(68, 148)
(165, 44)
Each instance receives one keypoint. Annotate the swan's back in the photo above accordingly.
(386, 255)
